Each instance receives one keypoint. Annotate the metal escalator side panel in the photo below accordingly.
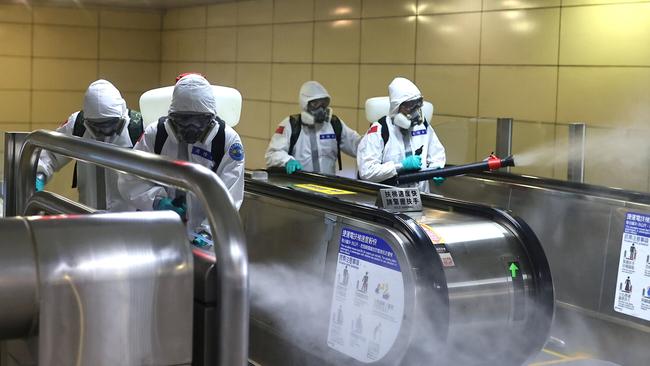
(536, 283)
(545, 295)
(18, 280)
(490, 307)
(305, 217)
(113, 297)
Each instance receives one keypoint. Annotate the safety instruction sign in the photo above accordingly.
(323, 189)
(397, 199)
(368, 299)
(439, 243)
(633, 283)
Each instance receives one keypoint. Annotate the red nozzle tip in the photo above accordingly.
(494, 162)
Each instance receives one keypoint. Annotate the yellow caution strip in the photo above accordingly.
(323, 189)
(562, 358)
(556, 354)
(433, 235)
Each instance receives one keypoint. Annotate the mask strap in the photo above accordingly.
(315, 158)
(406, 137)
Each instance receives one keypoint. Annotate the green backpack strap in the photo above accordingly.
(161, 136)
(296, 125)
(338, 130)
(136, 126)
(79, 129)
(218, 144)
(385, 134)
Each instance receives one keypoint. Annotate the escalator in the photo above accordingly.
(337, 281)
(582, 228)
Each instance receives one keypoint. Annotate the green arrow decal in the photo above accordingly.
(513, 269)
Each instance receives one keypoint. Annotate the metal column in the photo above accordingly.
(13, 143)
(576, 159)
(504, 138)
(115, 294)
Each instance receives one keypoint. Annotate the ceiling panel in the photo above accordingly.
(159, 4)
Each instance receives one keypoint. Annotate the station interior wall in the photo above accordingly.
(544, 63)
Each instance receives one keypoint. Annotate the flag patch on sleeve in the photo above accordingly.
(373, 129)
(279, 130)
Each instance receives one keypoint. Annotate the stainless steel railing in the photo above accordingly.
(230, 245)
(95, 295)
(52, 203)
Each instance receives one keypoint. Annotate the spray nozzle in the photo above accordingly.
(494, 162)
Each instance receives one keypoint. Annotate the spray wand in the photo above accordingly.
(493, 162)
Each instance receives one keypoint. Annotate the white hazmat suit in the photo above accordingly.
(378, 162)
(192, 93)
(102, 100)
(315, 148)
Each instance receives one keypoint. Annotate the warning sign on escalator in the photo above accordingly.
(323, 189)
(368, 299)
(633, 283)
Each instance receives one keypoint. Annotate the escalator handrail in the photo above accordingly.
(53, 204)
(568, 186)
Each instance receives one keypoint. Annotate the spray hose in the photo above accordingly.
(492, 163)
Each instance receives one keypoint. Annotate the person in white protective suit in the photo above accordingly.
(312, 140)
(192, 132)
(105, 118)
(403, 141)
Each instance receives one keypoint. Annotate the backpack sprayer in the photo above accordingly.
(491, 163)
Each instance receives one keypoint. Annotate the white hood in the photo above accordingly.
(103, 100)
(193, 93)
(401, 90)
(309, 91)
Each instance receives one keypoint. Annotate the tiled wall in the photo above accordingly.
(545, 63)
(49, 55)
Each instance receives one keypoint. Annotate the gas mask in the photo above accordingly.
(321, 114)
(318, 111)
(105, 129)
(191, 128)
(410, 114)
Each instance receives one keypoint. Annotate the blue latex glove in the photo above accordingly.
(438, 180)
(413, 162)
(167, 204)
(292, 166)
(202, 240)
(40, 182)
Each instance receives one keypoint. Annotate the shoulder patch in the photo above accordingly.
(236, 151)
(373, 129)
(279, 130)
